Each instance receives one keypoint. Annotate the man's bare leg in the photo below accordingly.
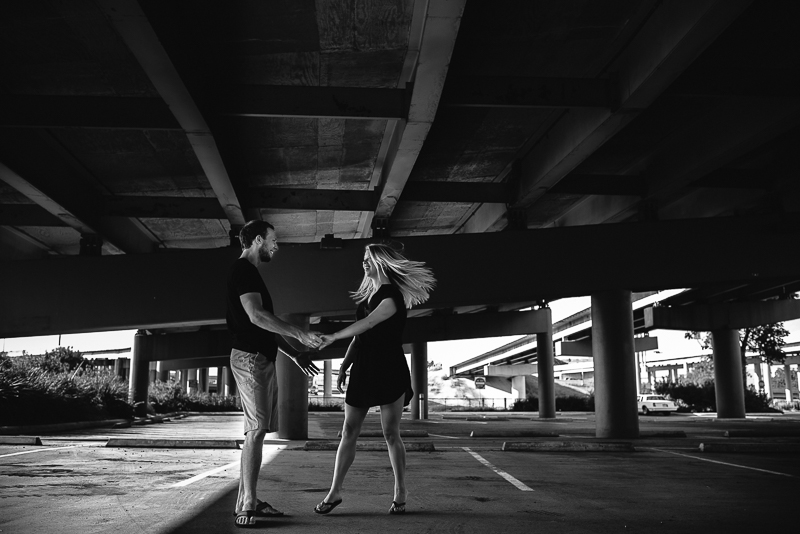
(250, 468)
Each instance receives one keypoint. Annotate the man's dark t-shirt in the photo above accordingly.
(243, 277)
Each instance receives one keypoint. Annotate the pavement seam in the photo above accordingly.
(722, 463)
(513, 481)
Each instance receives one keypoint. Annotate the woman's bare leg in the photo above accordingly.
(390, 421)
(346, 453)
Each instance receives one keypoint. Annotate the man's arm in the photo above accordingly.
(301, 359)
(263, 319)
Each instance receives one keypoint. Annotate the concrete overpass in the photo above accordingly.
(526, 158)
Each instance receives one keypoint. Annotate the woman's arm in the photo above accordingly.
(385, 309)
(349, 356)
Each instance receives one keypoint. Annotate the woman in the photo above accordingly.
(379, 375)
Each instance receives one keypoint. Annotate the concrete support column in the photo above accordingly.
(119, 367)
(202, 380)
(327, 376)
(163, 375)
(728, 382)
(183, 379)
(518, 386)
(614, 365)
(292, 390)
(787, 374)
(546, 361)
(140, 366)
(191, 381)
(419, 380)
(220, 380)
(152, 372)
(230, 382)
(766, 371)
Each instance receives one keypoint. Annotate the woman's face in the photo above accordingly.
(369, 266)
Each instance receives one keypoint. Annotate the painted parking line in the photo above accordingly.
(441, 436)
(267, 458)
(43, 449)
(722, 463)
(516, 483)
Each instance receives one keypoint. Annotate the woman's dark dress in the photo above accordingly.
(379, 374)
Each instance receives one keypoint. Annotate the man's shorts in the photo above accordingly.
(257, 384)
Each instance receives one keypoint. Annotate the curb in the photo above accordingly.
(367, 446)
(58, 427)
(379, 434)
(663, 434)
(751, 447)
(20, 440)
(511, 434)
(568, 446)
(174, 443)
(763, 433)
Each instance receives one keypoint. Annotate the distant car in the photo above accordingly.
(314, 390)
(655, 403)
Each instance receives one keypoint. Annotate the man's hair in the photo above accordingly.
(252, 230)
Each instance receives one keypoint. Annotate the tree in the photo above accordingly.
(765, 340)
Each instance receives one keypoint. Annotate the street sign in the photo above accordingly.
(480, 382)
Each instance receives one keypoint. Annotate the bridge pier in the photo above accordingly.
(546, 362)
(140, 372)
(292, 390)
(419, 380)
(614, 365)
(728, 382)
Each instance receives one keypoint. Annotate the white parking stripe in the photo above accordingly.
(441, 436)
(43, 449)
(267, 458)
(519, 485)
(722, 463)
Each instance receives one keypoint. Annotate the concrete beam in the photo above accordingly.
(39, 167)
(457, 192)
(322, 102)
(196, 363)
(186, 287)
(508, 371)
(499, 382)
(527, 93)
(670, 40)
(129, 113)
(137, 33)
(437, 41)
(584, 347)
(724, 316)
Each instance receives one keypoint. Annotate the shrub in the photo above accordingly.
(563, 404)
(166, 397)
(52, 388)
(694, 397)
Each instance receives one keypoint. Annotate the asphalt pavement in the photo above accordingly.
(566, 481)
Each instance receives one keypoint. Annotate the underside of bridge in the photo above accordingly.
(526, 150)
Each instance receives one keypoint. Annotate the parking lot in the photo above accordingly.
(74, 483)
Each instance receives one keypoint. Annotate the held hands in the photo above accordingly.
(311, 340)
(327, 339)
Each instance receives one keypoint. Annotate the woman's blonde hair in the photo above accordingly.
(412, 278)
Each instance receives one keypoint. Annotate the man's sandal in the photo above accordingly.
(250, 519)
(397, 508)
(265, 509)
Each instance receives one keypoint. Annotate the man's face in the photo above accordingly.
(269, 246)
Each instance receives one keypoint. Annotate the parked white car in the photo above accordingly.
(655, 403)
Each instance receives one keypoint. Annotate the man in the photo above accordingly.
(256, 333)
